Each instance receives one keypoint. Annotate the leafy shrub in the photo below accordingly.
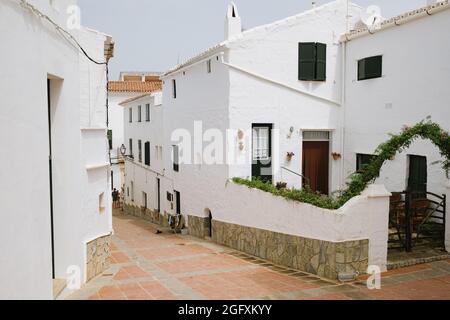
(359, 181)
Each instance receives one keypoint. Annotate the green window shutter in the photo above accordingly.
(307, 61)
(370, 68)
(321, 62)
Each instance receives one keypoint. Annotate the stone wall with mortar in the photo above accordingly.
(199, 227)
(323, 258)
(147, 214)
(98, 256)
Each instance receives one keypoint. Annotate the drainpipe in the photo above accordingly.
(343, 112)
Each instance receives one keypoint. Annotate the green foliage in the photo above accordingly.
(304, 195)
(358, 182)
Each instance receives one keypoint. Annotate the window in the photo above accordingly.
(174, 88)
(130, 145)
(147, 112)
(370, 68)
(130, 115)
(261, 143)
(363, 160)
(110, 139)
(176, 159)
(101, 203)
(139, 113)
(140, 150)
(208, 66)
(312, 61)
(147, 154)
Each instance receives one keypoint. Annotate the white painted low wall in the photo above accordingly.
(363, 217)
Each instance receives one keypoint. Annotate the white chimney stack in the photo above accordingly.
(233, 24)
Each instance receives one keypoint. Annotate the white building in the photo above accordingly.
(408, 83)
(252, 81)
(129, 85)
(291, 102)
(56, 206)
(144, 167)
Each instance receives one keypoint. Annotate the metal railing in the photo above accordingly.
(297, 174)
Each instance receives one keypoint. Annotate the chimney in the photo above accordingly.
(233, 25)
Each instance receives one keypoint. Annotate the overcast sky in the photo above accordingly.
(151, 35)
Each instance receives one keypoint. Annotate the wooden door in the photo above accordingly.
(316, 161)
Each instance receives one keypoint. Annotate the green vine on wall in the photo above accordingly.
(359, 181)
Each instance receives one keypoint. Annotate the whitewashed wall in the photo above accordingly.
(201, 96)
(271, 52)
(363, 217)
(414, 85)
(37, 52)
(145, 177)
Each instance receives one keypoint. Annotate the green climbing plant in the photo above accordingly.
(359, 181)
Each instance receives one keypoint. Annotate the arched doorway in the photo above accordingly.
(208, 225)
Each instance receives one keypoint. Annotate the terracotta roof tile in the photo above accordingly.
(134, 86)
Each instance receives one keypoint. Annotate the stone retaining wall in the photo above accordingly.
(198, 226)
(98, 256)
(147, 214)
(322, 258)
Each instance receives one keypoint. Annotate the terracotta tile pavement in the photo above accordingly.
(147, 266)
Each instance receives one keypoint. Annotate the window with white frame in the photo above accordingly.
(130, 115)
(139, 113)
(261, 143)
(208, 66)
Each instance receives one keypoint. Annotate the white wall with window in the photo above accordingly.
(395, 78)
(145, 139)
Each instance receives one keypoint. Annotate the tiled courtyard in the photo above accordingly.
(151, 266)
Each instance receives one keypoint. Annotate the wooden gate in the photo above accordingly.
(416, 219)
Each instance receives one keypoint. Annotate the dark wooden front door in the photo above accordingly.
(418, 174)
(316, 165)
(262, 152)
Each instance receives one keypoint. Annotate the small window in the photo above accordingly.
(147, 112)
(176, 159)
(174, 88)
(147, 154)
(169, 196)
(128, 192)
(139, 113)
(140, 151)
(208, 66)
(363, 160)
(130, 145)
(110, 139)
(312, 65)
(130, 115)
(370, 68)
(101, 203)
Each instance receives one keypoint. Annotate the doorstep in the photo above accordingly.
(400, 259)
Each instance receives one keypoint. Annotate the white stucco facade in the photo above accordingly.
(141, 177)
(413, 86)
(254, 79)
(80, 168)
